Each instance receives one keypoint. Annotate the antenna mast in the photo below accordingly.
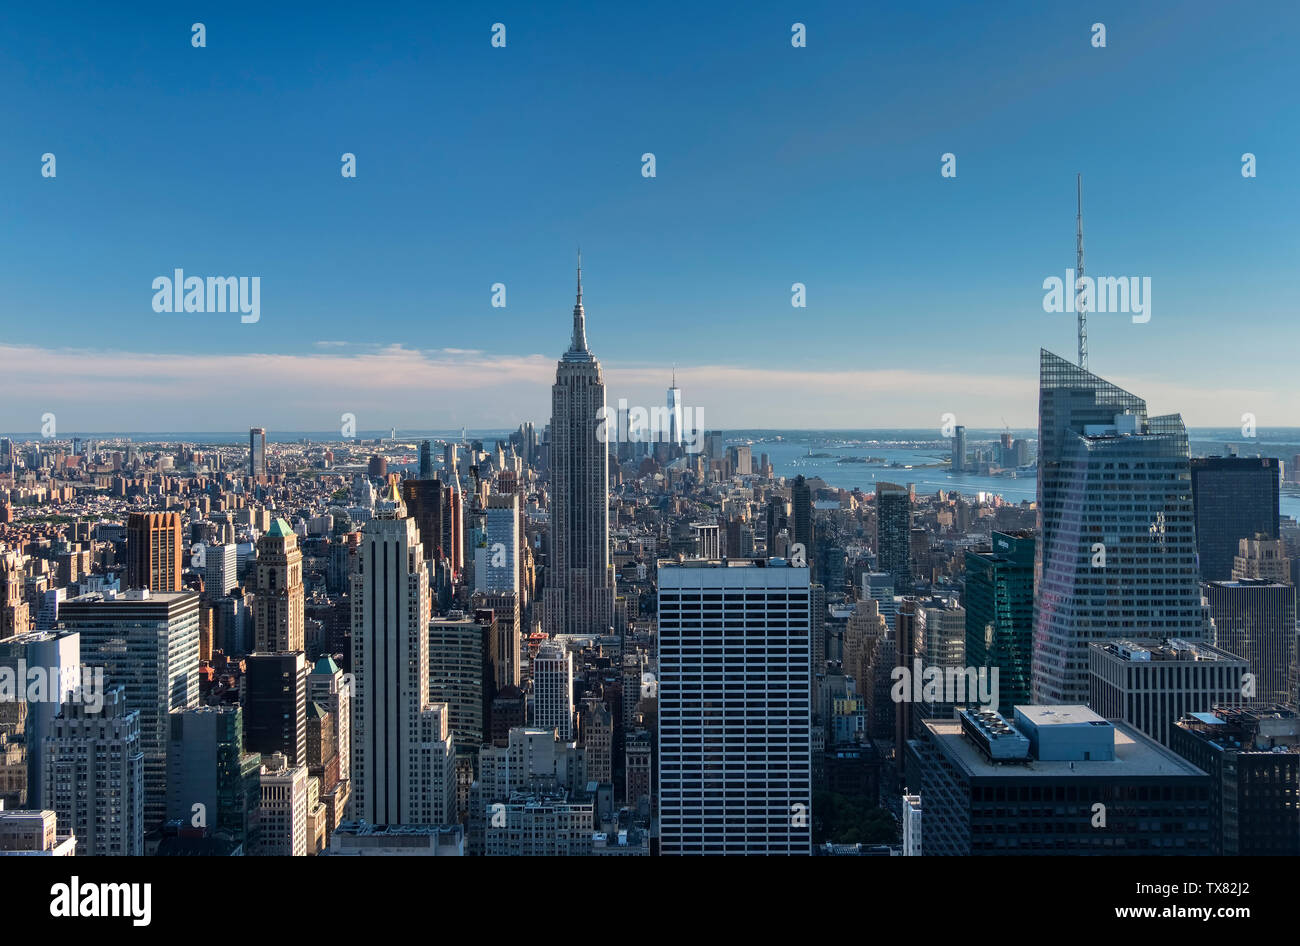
(1078, 281)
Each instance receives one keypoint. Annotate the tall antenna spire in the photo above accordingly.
(579, 317)
(1078, 281)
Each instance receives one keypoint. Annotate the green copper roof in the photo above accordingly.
(325, 664)
(280, 528)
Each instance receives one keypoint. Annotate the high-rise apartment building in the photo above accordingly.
(579, 594)
(1117, 543)
(893, 533)
(154, 551)
(94, 776)
(735, 713)
(958, 464)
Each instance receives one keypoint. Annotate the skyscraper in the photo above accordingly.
(735, 708)
(501, 554)
(403, 757)
(211, 774)
(273, 692)
(801, 515)
(94, 776)
(1117, 550)
(328, 686)
(220, 571)
(426, 460)
(462, 674)
(999, 603)
(147, 642)
(674, 412)
(579, 596)
(256, 451)
(553, 689)
(1255, 619)
(959, 450)
(55, 657)
(154, 548)
(1235, 498)
(894, 533)
(279, 603)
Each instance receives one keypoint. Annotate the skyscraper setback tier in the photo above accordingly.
(1117, 554)
(579, 596)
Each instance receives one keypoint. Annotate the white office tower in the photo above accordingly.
(579, 596)
(147, 642)
(38, 673)
(94, 776)
(403, 761)
(553, 689)
(220, 571)
(1116, 555)
(735, 715)
(282, 818)
(497, 568)
(328, 686)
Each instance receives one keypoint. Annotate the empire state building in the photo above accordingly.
(579, 596)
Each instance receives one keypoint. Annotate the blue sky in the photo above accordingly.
(774, 165)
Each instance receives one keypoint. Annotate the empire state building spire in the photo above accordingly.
(579, 317)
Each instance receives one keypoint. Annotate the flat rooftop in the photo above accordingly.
(1135, 755)
(1163, 650)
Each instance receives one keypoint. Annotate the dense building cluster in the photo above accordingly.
(557, 642)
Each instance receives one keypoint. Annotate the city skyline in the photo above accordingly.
(916, 472)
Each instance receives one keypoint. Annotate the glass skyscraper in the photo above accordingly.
(1117, 549)
(999, 602)
(1235, 498)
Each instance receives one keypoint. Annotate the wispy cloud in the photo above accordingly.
(391, 385)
